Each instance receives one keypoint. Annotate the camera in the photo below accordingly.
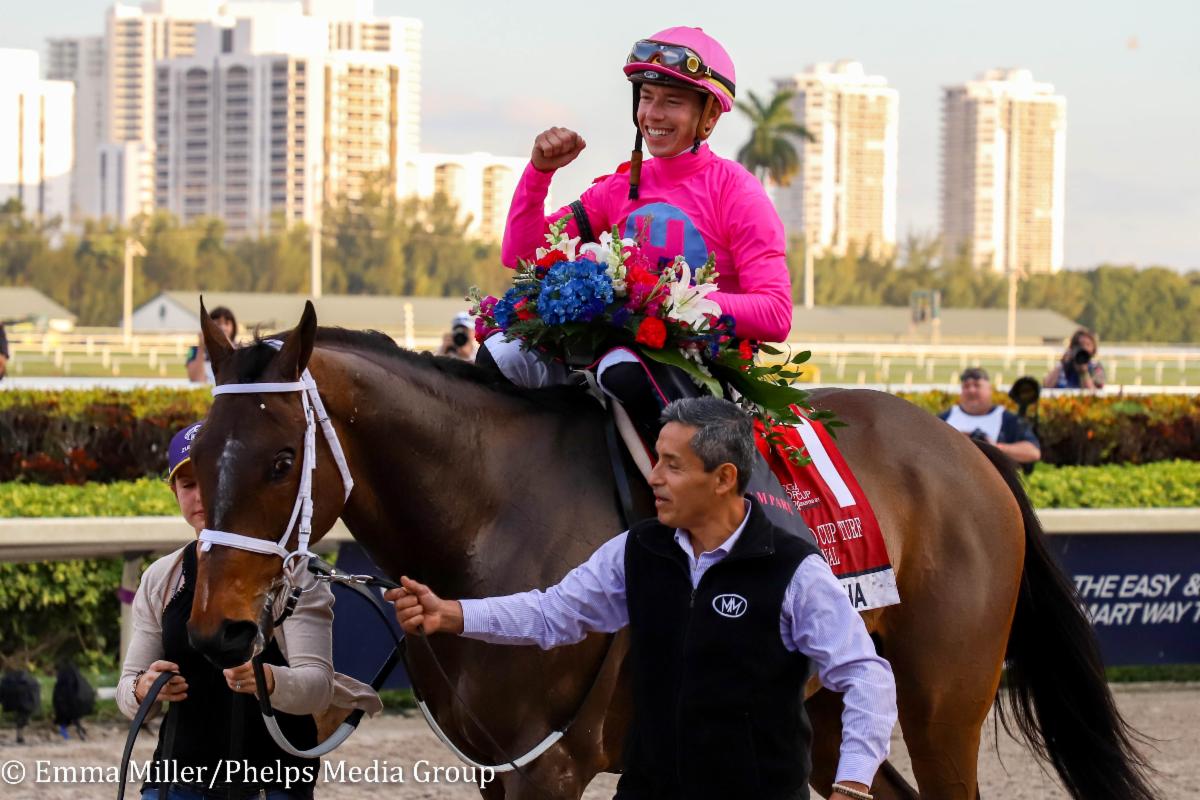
(1079, 356)
(460, 337)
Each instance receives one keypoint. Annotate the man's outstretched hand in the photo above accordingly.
(419, 610)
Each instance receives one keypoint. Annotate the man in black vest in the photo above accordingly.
(726, 612)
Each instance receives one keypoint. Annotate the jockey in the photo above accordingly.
(686, 200)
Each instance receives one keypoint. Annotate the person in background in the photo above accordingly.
(460, 341)
(1079, 367)
(199, 368)
(977, 416)
(308, 696)
(3, 351)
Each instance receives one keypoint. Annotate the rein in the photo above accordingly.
(314, 414)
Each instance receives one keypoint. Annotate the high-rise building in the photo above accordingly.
(265, 121)
(81, 60)
(480, 184)
(844, 193)
(1004, 172)
(136, 37)
(36, 136)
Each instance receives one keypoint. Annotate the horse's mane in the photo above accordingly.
(252, 360)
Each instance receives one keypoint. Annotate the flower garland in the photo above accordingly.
(573, 301)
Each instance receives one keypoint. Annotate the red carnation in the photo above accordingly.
(652, 332)
(551, 258)
(745, 350)
(523, 310)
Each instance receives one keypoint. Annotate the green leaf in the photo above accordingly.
(674, 358)
(769, 350)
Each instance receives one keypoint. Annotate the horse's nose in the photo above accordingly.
(230, 645)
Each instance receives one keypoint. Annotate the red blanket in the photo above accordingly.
(830, 500)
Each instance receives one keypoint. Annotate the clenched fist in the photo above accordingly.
(419, 610)
(555, 148)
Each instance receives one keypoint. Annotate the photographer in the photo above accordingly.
(1079, 367)
(459, 342)
(978, 417)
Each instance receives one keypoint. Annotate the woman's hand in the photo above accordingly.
(419, 610)
(174, 690)
(555, 148)
(241, 679)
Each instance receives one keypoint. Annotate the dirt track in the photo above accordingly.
(1165, 713)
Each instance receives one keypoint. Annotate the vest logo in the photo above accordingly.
(729, 605)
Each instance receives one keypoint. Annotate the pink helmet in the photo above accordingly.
(684, 55)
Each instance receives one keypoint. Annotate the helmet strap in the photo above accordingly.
(701, 135)
(635, 166)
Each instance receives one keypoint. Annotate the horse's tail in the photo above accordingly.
(1058, 698)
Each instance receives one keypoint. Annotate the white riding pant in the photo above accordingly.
(531, 369)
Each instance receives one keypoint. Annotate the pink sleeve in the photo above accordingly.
(526, 228)
(763, 304)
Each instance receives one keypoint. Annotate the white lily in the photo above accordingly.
(689, 304)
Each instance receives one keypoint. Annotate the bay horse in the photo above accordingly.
(477, 488)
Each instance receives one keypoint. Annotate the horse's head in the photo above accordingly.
(248, 461)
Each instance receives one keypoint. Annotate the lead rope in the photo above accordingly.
(358, 583)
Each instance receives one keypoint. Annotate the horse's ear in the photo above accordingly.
(294, 355)
(217, 345)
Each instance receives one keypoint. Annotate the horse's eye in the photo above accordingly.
(282, 464)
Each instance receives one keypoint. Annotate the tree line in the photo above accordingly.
(379, 244)
(1120, 302)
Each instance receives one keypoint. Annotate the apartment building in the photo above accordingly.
(844, 193)
(1004, 172)
(265, 122)
(36, 136)
(480, 184)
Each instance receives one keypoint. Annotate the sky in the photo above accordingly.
(495, 74)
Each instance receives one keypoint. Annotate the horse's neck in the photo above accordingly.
(453, 480)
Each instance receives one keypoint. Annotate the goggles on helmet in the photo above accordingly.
(675, 57)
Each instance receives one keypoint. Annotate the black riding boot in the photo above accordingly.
(629, 383)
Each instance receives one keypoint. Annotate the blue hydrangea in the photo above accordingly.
(573, 291)
(504, 313)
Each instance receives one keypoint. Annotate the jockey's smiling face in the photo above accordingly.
(667, 117)
(685, 493)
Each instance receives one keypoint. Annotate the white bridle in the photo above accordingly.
(314, 412)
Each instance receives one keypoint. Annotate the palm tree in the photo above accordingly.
(770, 154)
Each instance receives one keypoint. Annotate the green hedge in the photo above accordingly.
(52, 609)
(1086, 430)
(94, 435)
(101, 435)
(1163, 484)
(147, 497)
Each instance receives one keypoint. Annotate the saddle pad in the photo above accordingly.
(828, 498)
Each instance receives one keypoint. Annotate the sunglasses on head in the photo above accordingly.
(676, 57)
